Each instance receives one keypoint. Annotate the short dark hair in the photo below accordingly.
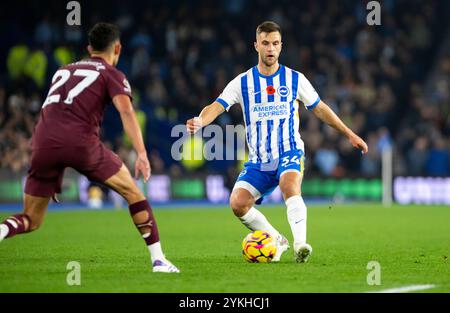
(102, 35)
(268, 27)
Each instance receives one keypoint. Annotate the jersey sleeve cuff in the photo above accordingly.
(225, 105)
(314, 104)
(122, 93)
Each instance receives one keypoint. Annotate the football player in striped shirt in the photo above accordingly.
(269, 95)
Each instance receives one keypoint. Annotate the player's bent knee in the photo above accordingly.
(240, 203)
(132, 194)
(124, 184)
(289, 190)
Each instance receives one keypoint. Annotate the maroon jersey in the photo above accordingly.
(73, 111)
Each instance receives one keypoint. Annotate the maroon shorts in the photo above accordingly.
(46, 172)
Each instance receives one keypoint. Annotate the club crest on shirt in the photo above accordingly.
(283, 91)
(242, 173)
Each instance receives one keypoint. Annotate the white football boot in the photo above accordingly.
(282, 245)
(302, 253)
(164, 266)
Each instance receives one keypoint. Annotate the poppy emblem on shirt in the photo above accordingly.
(270, 90)
(283, 91)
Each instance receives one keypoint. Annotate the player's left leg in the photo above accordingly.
(43, 181)
(30, 220)
(291, 176)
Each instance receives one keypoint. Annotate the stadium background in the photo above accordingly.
(389, 83)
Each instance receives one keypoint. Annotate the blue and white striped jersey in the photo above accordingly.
(270, 107)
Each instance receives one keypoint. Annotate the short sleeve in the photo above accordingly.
(231, 94)
(306, 93)
(117, 84)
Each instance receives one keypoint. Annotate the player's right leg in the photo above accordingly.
(100, 164)
(242, 202)
(142, 216)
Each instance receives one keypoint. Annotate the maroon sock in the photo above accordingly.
(16, 224)
(143, 205)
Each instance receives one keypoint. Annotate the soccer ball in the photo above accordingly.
(258, 247)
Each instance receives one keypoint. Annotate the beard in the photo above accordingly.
(269, 61)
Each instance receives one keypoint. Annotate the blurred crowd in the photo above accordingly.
(179, 55)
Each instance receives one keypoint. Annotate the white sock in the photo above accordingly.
(255, 220)
(296, 213)
(156, 251)
(4, 230)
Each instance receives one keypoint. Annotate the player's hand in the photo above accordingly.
(142, 165)
(358, 143)
(193, 125)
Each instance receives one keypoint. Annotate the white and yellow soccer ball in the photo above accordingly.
(258, 247)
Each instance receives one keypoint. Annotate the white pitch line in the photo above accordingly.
(405, 289)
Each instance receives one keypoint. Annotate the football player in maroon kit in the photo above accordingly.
(68, 135)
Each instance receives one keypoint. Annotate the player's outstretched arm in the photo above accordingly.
(206, 117)
(326, 114)
(130, 124)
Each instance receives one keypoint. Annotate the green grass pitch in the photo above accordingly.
(411, 243)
